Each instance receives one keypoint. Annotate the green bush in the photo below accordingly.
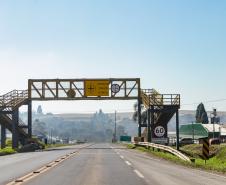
(8, 142)
(7, 150)
(221, 155)
(131, 146)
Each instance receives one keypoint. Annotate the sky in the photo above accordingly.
(174, 46)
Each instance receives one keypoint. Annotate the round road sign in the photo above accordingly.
(159, 131)
(71, 93)
(115, 88)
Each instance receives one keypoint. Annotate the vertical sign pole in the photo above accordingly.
(177, 129)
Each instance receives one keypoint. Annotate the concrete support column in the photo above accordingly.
(15, 135)
(3, 136)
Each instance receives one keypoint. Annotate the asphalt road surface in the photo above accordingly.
(105, 164)
(17, 165)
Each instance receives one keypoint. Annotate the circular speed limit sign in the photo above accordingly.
(115, 88)
(159, 131)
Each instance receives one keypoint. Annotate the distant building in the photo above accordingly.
(197, 131)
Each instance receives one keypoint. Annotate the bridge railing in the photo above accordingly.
(13, 98)
(152, 97)
(165, 148)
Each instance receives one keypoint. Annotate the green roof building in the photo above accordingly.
(198, 130)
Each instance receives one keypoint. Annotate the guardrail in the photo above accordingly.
(165, 148)
(152, 97)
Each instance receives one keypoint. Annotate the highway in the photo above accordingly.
(105, 164)
(16, 165)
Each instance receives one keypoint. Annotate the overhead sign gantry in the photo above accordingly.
(160, 107)
(84, 89)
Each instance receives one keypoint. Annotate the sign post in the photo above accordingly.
(159, 134)
(205, 149)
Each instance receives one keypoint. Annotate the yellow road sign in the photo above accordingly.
(97, 87)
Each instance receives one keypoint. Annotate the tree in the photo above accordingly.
(143, 114)
(39, 127)
(39, 109)
(201, 115)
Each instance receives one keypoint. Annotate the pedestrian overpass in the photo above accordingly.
(160, 108)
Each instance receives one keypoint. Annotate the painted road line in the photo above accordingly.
(128, 163)
(45, 168)
(40, 170)
(138, 174)
(122, 156)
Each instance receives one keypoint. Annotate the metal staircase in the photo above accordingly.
(9, 114)
(162, 106)
(13, 99)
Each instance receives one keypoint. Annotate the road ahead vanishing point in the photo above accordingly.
(101, 164)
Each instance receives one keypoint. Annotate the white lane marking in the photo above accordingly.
(128, 163)
(122, 156)
(138, 174)
(194, 170)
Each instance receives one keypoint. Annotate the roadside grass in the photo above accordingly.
(161, 154)
(212, 164)
(7, 151)
(130, 146)
(216, 163)
(195, 150)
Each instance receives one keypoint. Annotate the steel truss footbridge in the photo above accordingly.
(160, 108)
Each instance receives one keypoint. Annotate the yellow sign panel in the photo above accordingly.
(97, 87)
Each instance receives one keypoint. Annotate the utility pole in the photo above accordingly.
(193, 138)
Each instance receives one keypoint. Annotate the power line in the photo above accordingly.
(209, 101)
